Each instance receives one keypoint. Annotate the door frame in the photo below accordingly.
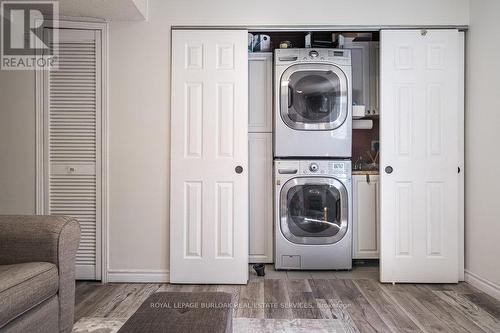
(375, 28)
(40, 181)
(345, 27)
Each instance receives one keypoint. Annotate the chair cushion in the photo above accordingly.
(23, 286)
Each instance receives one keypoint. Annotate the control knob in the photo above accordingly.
(313, 167)
(313, 54)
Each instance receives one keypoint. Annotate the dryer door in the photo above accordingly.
(313, 210)
(313, 97)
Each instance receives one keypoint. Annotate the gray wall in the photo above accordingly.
(17, 142)
(482, 158)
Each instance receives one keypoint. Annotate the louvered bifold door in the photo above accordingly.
(72, 141)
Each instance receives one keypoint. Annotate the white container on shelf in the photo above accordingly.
(358, 111)
(362, 124)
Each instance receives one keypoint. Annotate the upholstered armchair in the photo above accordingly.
(37, 273)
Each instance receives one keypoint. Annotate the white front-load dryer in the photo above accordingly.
(313, 214)
(313, 103)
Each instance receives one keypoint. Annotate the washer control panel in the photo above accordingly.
(285, 169)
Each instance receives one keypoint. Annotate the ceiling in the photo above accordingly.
(110, 10)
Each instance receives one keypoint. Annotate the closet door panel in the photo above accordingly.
(209, 157)
(72, 115)
(421, 103)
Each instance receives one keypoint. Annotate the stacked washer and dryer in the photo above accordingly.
(312, 149)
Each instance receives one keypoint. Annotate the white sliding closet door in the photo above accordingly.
(421, 102)
(461, 160)
(209, 157)
(72, 113)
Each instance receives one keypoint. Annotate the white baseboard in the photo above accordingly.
(138, 275)
(482, 284)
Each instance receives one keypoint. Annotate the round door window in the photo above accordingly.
(313, 210)
(314, 97)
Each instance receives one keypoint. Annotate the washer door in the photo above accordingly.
(313, 210)
(313, 97)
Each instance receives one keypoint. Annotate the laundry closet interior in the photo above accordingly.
(363, 47)
(313, 148)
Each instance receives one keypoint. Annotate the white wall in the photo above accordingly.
(482, 121)
(139, 79)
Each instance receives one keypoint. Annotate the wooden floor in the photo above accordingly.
(316, 302)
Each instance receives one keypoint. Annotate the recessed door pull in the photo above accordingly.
(287, 171)
(288, 58)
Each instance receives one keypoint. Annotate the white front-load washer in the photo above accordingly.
(313, 214)
(313, 103)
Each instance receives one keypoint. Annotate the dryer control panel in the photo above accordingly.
(336, 56)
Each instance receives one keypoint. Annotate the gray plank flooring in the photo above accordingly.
(311, 301)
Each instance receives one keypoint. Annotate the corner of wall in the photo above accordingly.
(143, 8)
(482, 284)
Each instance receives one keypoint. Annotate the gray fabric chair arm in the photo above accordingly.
(52, 239)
